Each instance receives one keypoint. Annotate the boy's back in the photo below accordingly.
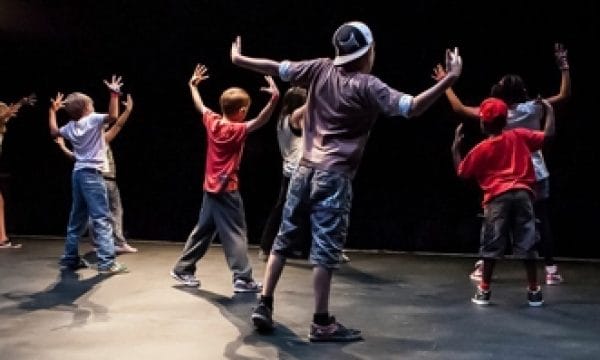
(502, 163)
(87, 137)
(341, 109)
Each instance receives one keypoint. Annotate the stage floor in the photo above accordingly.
(408, 306)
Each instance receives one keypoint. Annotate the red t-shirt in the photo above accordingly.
(225, 143)
(502, 163)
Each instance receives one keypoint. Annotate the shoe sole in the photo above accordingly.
(335, 339)
(262, 324)
(238, 291)
(536, 304)
(480, 302)
(174, 276)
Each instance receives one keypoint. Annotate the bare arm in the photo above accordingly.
(565, 76)
(426, 98)
(110, 134)
(115, 90)
(198, 76)
(468, 111)
(549, 119)
(297, 117)
(263, 66)
(458, 136)
(60, 141)
(267, 111)
(56, 104)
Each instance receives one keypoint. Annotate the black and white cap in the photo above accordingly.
(351, 41)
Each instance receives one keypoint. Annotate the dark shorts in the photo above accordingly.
(509, 216)
(542, 189)
(322, 199)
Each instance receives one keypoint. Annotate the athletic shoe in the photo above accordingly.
(186, 279)
(262, 318)
(243, 286)
(481, 297)
(334, 332)
(535, 297)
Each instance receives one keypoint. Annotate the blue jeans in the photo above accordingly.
(89, 200)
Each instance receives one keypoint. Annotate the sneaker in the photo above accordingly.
(243, 286)
(186, 279)
(262, 317)
(344, 258)
(80, 264)
(481, 297)
(535, 297)
(552, 276)
(125, 249)
(115, 268)
(477, 273)
(334, 332)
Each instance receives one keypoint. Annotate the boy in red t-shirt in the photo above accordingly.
(222, 211)
(501, 165)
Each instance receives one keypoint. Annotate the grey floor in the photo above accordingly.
(409, 306)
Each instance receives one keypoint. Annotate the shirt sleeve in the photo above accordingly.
(65, 132)
(533, 139)
(467, 167)
(388, 100)
(98, 119)
(300, 73)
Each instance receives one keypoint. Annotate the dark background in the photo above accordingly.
(406, 194)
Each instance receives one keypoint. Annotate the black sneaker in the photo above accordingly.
(334, 332)
(534, 297)
(482, 297)
(262, 318)
(74, 266)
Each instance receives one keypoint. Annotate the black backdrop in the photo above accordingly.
(406, 194)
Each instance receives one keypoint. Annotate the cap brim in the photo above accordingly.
(344, 59)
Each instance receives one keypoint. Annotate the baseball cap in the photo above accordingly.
(351, 41)
(491, 109)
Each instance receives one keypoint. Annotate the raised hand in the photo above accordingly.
(560, 54)
(236, 48)
(115, 84)
(57, 103)
(453, 62)
(199, 75)
(272, 89)
(438, 72)
(128, 103)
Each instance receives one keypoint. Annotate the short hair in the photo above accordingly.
(233, 99)
(76, 104)
(511, 89)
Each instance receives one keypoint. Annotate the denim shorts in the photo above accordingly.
(322, 200)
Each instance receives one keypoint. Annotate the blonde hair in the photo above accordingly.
(233, 99)
(76, 104)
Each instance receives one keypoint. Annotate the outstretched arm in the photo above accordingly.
(56, 104)
(198, 76)
(267, 111)
(115, 90)
(560, 53)
(110, 134)
(263, 66)
(458, 136)
(60, 141)
(468, 111)
(425, 99)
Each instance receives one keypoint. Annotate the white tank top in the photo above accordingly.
(290, 146)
